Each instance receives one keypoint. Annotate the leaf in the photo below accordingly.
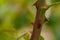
(41, 38)
(26, 37)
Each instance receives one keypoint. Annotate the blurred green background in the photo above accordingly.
(16, 17)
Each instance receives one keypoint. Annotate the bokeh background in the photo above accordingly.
(17, 16)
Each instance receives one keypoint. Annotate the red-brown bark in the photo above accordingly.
(39, 19)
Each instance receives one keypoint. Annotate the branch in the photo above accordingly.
(39, 19)
(57, 3)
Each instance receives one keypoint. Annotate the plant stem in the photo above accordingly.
(57, 3)
(39, 19)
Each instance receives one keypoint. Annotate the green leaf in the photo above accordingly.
(26, 37)
(41, 38)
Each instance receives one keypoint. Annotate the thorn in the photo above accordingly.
(46, 19)
(36, 4)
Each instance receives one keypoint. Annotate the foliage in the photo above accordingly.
(41, 38)
(13, 17)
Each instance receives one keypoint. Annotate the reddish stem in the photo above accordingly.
(40, 18)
